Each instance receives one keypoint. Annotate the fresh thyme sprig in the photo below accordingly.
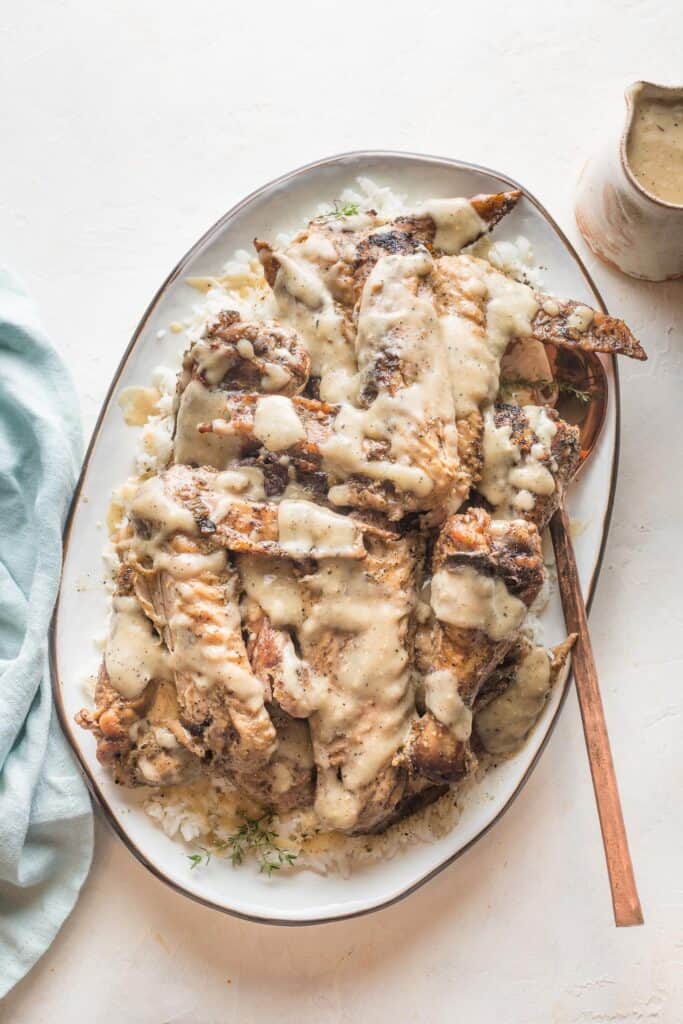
(512, 383)
(253, 836)
(509, 384)
(570, 389)
(343, 209)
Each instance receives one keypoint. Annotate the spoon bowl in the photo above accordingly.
(582, 399)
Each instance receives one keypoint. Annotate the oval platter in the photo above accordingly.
(303, 897)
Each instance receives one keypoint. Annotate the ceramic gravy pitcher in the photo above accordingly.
(629, 204)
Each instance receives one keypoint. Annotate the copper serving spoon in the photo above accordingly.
(584, 370)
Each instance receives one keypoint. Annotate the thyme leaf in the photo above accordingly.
(508, 384)
(196, 859)
(255, 837)
(343, 209)
(570, 389)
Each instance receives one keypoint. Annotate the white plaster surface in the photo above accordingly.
(126, 129)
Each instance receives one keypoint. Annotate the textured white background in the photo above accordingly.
(126, 129)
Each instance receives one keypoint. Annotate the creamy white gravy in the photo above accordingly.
(307, 530)
(395, 316)
(203, 626)
(445, 703)
(369, 699)
(206, 632)
(580, 318)
(351, 633)
(272, 584)
(201, 405)
(213, 360)
(447, 366)
(134, 654)
(504, 723)
(510, 481)
(306, 304)
(475, 349)
(152, 502)
(466, 598)
(276, 423)
(457, 223)
(654, 148)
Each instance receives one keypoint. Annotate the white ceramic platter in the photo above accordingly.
(81, 615)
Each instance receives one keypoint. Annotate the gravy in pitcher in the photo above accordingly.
(655, 148)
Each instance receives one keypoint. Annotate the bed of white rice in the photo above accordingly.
(205, 814)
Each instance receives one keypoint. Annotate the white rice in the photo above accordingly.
(515, 258)
(206, 813)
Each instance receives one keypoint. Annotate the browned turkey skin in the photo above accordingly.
(306, 461)
(318, 618)
(560, 460)
(139, 738)
(247, 355)
(506, 553)
(344, 651)
(505, 550)
(354, 250)
(128, 735)
(184, 582)
(335, 638)
(512, 695)
(569, 323)
(233, 355)
(216, 425)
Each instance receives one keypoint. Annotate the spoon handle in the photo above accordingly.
(625, 899)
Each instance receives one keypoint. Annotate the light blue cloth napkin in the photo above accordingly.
(45, 816)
